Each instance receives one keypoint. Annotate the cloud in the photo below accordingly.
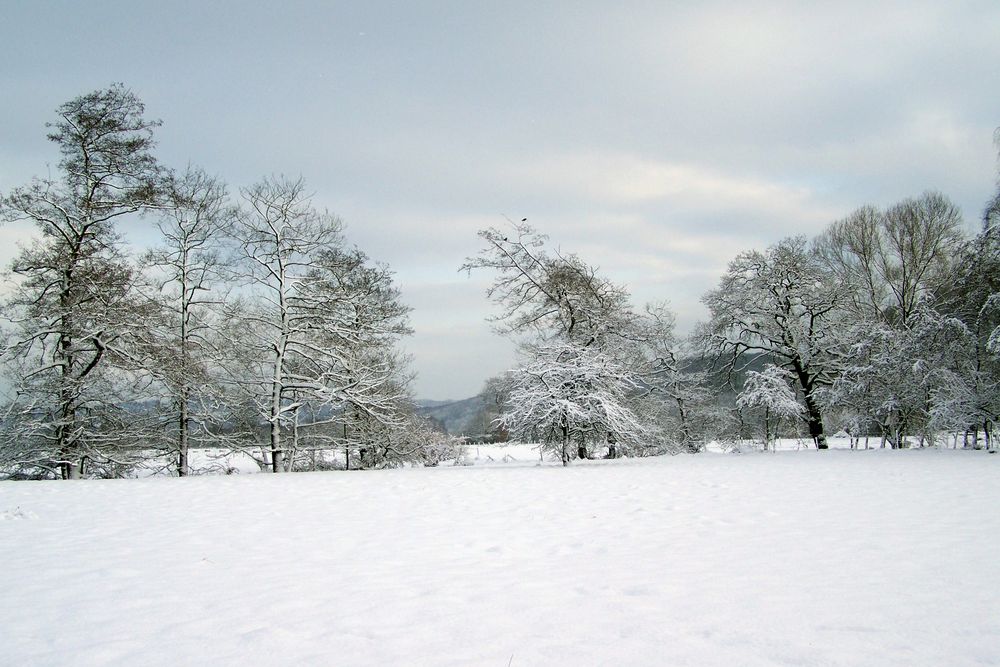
(656, 140)
(625, 180)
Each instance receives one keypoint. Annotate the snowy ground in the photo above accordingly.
(795, 558)
(218, 462)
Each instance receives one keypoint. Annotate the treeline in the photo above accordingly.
(885, 326)
(252, 325)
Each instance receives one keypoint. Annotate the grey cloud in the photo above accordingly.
(655, 139)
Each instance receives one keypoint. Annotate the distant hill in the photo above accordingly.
(430, 403)
(455, 416)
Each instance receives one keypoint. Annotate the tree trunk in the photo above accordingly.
(277, 462)
(182, 441)
(347, 448)
(71, 469)
(293, 450)
(814, 416)
(814, 420)
(767, 427)
(182, 436)
(278, 375)
(686, 438)
(565, 445)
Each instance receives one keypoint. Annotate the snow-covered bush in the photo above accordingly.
(770, 390)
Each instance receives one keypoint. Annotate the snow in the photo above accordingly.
(794, 558)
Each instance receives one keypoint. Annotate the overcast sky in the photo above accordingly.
(656, 140)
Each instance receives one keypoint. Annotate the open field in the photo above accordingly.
(795, 558)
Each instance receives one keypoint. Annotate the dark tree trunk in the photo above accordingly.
(814, 420)
(565, 445)
(814, 416)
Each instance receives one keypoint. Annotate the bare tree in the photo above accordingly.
(73, 301)
(373, 377)
(975, 301)
(895, 263)
(320, 323)
(669, 373)
(782, 305)
(190, 271)
(894, 259)
(279, 235)
(550, 294)
(579, 340)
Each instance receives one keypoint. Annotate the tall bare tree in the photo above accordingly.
(895, 263)
(320, 323)
(73, 300)
(782, 305)
(897, 258)
(190, 269)
(280, 234)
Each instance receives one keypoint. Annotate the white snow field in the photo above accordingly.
(796, 558)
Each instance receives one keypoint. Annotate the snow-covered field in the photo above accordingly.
(796, 558)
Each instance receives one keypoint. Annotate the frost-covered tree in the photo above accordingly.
(899, 265)
(493, 398)
(190, 270)
(781, 305)
(374, 377)
(991, 212)
(414, 441)
(895, 375)
(73, 308)
(579, 337)
(320, 322)
(975, 301)
(770, 390)
(568, 394)
(280, 235)
(671, 375)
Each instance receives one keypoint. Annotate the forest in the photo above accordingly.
(253, 325)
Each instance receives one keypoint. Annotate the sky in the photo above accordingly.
(654, 139)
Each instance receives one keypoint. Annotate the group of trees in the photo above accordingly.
(885, 326)
(598, 376)
(251, 325)
(882, 324)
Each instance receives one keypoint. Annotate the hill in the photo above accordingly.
(456, 417)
